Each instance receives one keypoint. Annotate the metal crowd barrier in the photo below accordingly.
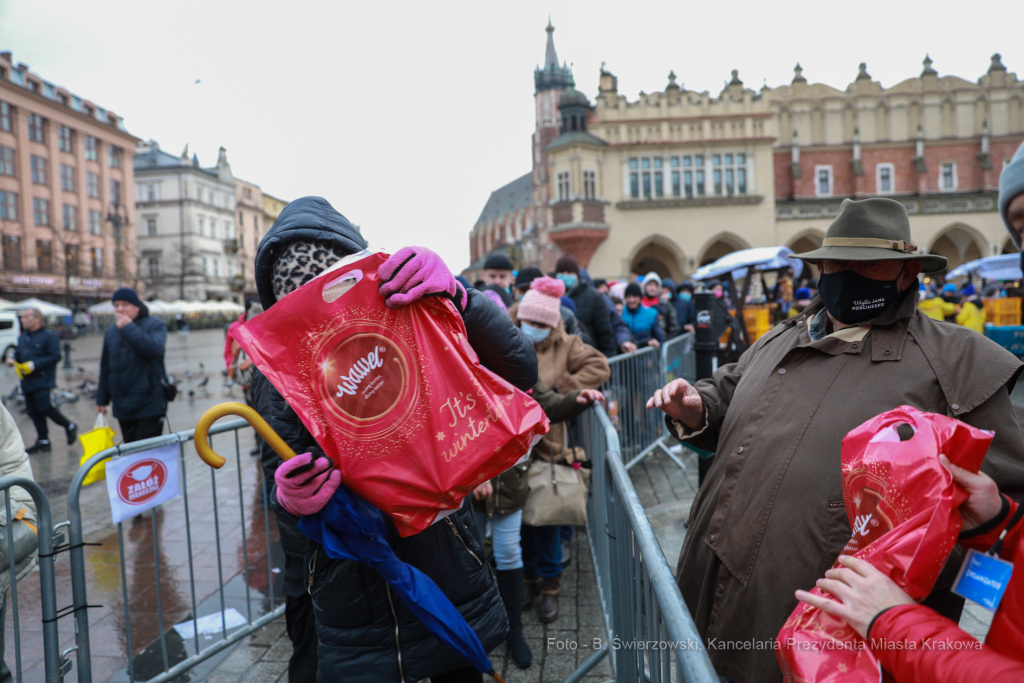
(634, 379)
(650, 633)
(53, 662)
(173, 653)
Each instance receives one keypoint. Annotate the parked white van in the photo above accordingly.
(10, 328)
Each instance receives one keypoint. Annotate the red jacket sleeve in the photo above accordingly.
(984, 542)
(941, 652)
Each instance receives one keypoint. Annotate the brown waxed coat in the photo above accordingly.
(770, 516)
(565, 363)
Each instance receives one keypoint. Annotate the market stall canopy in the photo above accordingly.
(44, 307)
(1005, 267)
(105, 308)
(760, 258)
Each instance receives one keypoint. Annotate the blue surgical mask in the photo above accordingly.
(569, 279)
(534, 334)
(685, 296)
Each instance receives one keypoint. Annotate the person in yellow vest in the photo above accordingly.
(972, 313)
(933, 306)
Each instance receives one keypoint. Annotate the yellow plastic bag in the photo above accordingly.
(99, 438)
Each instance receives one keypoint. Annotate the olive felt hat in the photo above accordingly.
(876, 229)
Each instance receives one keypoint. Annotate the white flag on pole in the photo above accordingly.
(136, 483)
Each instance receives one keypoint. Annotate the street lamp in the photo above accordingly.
(117, 222)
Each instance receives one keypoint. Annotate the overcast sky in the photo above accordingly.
(406, 115)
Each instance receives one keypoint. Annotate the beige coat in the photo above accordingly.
(14, 463)
(565, 363)
(770, 518)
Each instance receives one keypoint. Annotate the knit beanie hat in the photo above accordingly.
(542, 304)
(300, 262)
(652, 277)
(567, 264)
(498, 261)
(527, 275)
(633, 289)
(1011, 184)
(127, 294)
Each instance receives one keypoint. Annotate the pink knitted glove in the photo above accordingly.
(415, 272)
(305, 483)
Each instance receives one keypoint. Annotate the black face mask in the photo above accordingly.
(852, 298)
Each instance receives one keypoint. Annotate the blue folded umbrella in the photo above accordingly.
(349, 528)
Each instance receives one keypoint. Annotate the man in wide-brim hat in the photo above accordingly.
(770, 518)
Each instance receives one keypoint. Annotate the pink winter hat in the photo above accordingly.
(542, 304)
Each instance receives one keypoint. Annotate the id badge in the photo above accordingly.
(983, 579)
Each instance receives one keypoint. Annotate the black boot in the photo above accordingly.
(510, 585)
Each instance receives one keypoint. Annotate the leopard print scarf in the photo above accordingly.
(300, 262)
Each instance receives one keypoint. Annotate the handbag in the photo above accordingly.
(558, 493)
(170, 390)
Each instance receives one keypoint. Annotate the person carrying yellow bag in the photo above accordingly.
(97, 439)
(972, 313)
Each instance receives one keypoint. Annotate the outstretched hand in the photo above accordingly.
(588, 396)
(679, 400)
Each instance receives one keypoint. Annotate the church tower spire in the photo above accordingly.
(552, 76)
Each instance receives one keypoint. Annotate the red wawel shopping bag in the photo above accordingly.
(397, 398)
(903, 508)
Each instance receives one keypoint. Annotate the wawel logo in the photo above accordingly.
(142, 481)
(860, 524)
(359, 370)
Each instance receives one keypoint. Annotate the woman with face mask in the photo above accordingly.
(565, 363)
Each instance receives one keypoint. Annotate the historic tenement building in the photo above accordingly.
(67, 193)
(677, 178)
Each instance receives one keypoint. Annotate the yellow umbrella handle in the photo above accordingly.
(202, 435)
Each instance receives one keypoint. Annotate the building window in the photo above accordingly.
(741, 173)
(5, 116)
(153, 262)
(563, 186)
(676, 184)
(41, 211)
(38, 170)
(634, 179)
(150, 227)
(216, 266)
(95, 222)
(114, 154)
(645, 166)
(698, 184)
(70, 217)
(823, 181)
(206, 266)
(44, 256)
(67, 178)
(12, 252)
(202, 227)
(92, 185)
(150, 193)
(71, 258)
(90, 148)
(589, 190)
(659, 177)
(115, 192)
(65, 139)
(6, 161)
(884, 179)
(213, 228)
(716, 172)
(35, 128)
(96, 256)
(8, 206)
(948, 179)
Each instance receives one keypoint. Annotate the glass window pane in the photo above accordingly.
(675, 183)
(645, 162)
(741, 158)
(658, 185)
(716, 159)
(657, 162)
(698, 160)
(728, 159)
(647, 185)
(675, 162)
(634, 186)
(700, 183)
(632, 164)
(718, 181)
(741, 177)
(728, 181)
(686, 161)
(688, 181)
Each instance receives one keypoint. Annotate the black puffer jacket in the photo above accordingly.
(42, 347)
(592, 313)
(365, 632)
(131, 367)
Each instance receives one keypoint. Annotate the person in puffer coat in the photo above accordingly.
(364, 631)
